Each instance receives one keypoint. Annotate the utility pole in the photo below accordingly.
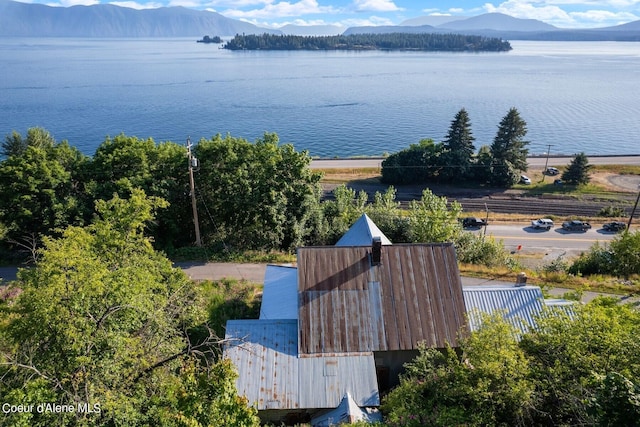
(546, 163)
(193, 163)
(633, 212)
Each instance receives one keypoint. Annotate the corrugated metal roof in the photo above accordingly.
(272, 376)
(362, 233)
(280, 294)
(519, 304)
(265, 352)
(348, 305)
(324, 380)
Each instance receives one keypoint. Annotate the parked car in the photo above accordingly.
(542, 223)
(524, 179)
(614, 226)
(576, 225)
(551, 171)
(558, 182)
(470, 222)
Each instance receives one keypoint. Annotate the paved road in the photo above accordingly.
(534, 162)
(255, 273)
(514, 235)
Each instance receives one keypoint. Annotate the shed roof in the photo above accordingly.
(520, 305)
(361, 233)
(272, 376)
(346, 304)
(280, 294)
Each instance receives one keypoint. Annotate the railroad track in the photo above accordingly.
(536, 206)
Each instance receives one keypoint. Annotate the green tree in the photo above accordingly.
(626, 254)
(458, 149)
(341, 212)
(432, 220)
(42, 186)
(485, 382)
(616, 401)
(416, 164)
(390, 218)
(478, 249)
(256, 195)
(13, 145)
(620, 257)
(105, 320)
(508, 151)
(124, 163)
(571, 355)
(578, 170)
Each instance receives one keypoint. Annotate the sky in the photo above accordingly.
(348, 13)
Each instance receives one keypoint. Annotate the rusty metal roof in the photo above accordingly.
(346, 304)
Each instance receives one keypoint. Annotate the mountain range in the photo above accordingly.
(508, 28)
(104, 20)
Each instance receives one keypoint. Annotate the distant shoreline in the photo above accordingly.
(533, 161)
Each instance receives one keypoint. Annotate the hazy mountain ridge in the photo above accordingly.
(510, 28)
(29, 20)
(103, 20)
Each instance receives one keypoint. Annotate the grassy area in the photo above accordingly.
(550, 277)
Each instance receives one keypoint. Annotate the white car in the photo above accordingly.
(551, 171)
(542, 223)
(524, 179)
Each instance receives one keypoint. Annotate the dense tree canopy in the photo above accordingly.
(257, 195)
(392, 41)
(40, 185)
(453, 160)
(104, 320)
(416, 164)
(620, 257)
(578, 367)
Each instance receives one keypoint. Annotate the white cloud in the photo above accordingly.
(235, 4)
(375, 6)
(372, 21)
(549, 14)
(67, 3)
(605, 17)
(136, 5)
(191, 4)
(280, 10)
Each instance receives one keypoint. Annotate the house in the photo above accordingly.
(335, 331)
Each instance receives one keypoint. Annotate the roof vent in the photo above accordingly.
(376, 250)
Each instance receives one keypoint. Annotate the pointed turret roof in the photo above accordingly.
(362, 233)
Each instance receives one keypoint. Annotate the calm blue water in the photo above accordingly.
(574, 96)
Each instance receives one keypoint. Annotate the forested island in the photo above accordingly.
(207, 39)
(392, 41)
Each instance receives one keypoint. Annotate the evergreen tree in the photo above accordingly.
(578, 170)
(457, 157)
(509, 150)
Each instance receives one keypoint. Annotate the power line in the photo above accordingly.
(193, 163)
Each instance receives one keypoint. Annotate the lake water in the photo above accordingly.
(574, 96)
